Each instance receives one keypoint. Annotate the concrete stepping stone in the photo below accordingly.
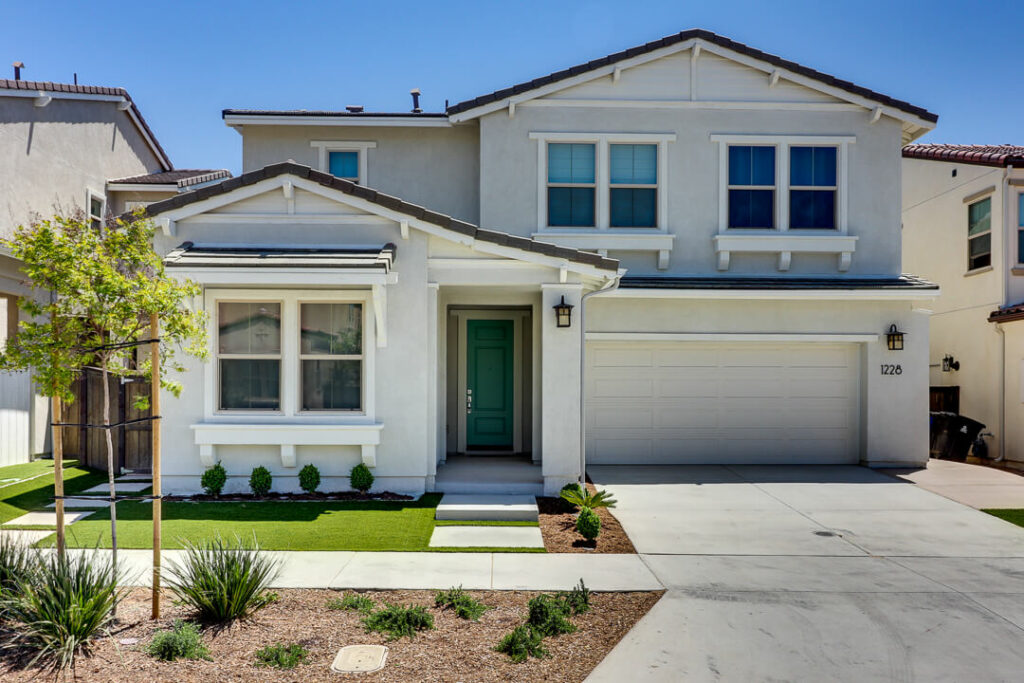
(359, 659)
(25, 536)
(46, 518)
(478, 507)
(121, 487)
(135, 476)
(486, 537)
(79, 504)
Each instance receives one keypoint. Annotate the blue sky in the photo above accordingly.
(184, 61)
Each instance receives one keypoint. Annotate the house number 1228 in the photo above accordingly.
(890, 369)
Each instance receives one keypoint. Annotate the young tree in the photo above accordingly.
(95, 292)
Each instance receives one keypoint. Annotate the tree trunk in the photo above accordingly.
(110, 469)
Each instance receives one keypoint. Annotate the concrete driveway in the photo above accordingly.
(814, 574)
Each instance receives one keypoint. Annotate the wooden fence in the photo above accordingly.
(132, 443)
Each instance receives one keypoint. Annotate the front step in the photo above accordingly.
(487, 508)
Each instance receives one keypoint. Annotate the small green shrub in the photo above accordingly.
(351, 602)
(548, 616)
(223, 581)
(522, 642)
(399, 620)
(361, 478)
(576, 601)
(582, 498)
(309, 478)
(214, 479)
(282, 656)
(183, 641)
(260, 481)
(62, 607)
(464, 606)
(588, 524)
(572, 487)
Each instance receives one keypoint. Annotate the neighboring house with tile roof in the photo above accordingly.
(61, 145)
(963, 228)
(686, 252)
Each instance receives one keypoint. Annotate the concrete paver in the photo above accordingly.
(80, 504)
(486, 537)
(25, 536)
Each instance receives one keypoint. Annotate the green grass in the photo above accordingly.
(286, 525)
(36, 494)
(29, 469)
(484, 522)
(1012, 516)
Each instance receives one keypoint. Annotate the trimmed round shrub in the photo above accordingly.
(588, 524)
(260, 481)
(214, 479)
(309, 478)
(361, 478)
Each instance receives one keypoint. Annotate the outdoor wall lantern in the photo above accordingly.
(949, 363)
(563, 313)
(894, 338)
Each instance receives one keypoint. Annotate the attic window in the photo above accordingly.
(344, 165)
(346, 159)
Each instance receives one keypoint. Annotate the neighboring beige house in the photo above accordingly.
(388, 288)
(60, 144)
(963, 228)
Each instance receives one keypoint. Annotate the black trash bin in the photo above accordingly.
(952, 435)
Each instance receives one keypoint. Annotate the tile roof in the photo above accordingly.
(681, 37)
(386, 201)
(903, 282)
(1007, 314)
(192, 255)
(982, 155)
(182, 177)
(74, 89)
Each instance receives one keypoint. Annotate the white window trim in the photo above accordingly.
(218, 357)
(290, 407)
(361, 357)
(323, 147)
(991, 261)
(774, 187)
(90, 194)
(602, 194)
(782, 144)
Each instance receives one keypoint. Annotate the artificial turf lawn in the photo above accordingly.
(1012, 516)
(36, 494)
(284, 525)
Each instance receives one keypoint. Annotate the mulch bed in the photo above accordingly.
(457, 650)
(558, 527)
(315, 497)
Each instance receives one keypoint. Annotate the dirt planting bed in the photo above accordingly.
(457, 650)
(558, 527)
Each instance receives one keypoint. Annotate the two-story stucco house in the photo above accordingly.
(963, 228)
(389, 288)
(65, 148)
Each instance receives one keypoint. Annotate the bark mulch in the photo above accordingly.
(314, 497)
(457, 650)
(558, 527)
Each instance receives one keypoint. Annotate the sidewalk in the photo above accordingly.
(478, 571)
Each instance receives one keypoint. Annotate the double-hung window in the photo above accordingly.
(633, 187)
(1020, 228)
(249, 355)
(571, 184)
(331, 355)
(344, 164)
(97, 206)
(751, 186)
(812, 187)
(979, 234)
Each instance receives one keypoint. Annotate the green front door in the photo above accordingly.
(489, 394)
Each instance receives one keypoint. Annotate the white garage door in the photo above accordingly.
(686, 402)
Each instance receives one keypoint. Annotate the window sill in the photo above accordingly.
(785, 243)
(979, 271)
(619, 239)
(209, 435)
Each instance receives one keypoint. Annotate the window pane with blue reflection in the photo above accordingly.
(751, 165)
(634, 164)
(812, 209)
(751, 208)
(571, 206)
(570, 163)
(1020, 233)
(812, 166)
(633, 207)
(344, 165)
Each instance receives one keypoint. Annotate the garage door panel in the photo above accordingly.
(685, 402)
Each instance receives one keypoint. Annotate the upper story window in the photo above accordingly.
(979, 234)
(812, 187)
(96, 204)
(751, 186)
(572, 184)
(331, 354)
(1020, 228)
(347, 159)
(633, 186)
(249, 355)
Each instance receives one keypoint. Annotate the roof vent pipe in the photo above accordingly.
(415, 92)
(354, 108)
(18, 66)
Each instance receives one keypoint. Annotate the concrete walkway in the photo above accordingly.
(815, 574)
(978, 486)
